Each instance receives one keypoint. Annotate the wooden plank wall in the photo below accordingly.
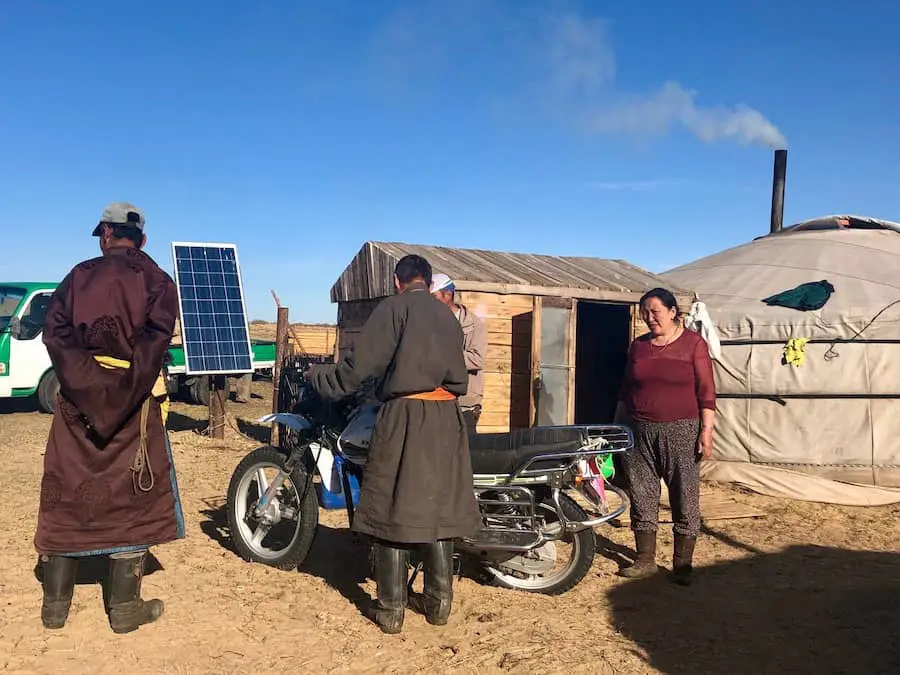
(352, 315)
(507, 376)
(313, 339)
(318, 339)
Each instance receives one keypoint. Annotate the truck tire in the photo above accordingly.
(47, 392)
(200, 390)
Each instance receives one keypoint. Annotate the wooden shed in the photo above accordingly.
(558, 327)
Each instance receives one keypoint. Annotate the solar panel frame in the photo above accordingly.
(203, 360)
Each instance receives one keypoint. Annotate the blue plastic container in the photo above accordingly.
(335, 500)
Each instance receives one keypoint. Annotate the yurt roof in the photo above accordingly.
(858, 255)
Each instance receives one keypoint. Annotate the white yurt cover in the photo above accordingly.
(842, 443)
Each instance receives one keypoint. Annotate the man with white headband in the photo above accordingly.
(474, 345)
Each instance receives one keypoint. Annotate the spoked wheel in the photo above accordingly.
(556, 566)
(281, 533)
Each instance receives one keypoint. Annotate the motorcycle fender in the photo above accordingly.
(290, 420)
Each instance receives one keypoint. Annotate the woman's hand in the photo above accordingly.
(705, 443)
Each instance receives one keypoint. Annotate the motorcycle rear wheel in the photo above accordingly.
(295, 505)
(583, 545)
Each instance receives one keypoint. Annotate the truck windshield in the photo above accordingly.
(10, 297)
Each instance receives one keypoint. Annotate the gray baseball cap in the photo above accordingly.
(121, 213)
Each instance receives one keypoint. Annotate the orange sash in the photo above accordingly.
(439, 394)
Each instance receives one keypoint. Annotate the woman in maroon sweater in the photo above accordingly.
(669, 398)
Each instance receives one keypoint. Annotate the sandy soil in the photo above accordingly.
(807, 589)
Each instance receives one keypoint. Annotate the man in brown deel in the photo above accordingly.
(109, 481)
(417, 486)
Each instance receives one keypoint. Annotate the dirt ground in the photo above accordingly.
(808, 588)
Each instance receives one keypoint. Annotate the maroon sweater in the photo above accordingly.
(665, 384)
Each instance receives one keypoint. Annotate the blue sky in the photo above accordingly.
(299, 130)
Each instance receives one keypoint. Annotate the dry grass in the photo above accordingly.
(807, 589)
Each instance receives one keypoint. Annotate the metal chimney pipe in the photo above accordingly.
(778, 176)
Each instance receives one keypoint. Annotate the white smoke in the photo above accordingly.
(581, 62)
(567, 64)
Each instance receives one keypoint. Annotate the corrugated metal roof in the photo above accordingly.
(370, 274)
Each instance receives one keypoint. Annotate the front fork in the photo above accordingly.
(267, 496)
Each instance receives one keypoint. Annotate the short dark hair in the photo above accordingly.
(412, 267)
(665, 296)
(124, 231)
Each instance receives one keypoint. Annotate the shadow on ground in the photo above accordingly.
(261, 433)
(337, 556)
(808, 609)
(179, 422)
(19, 405)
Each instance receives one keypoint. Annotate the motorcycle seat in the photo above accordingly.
(503, 453)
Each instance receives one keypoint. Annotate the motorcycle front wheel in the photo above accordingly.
(282, 533)
(532, 571)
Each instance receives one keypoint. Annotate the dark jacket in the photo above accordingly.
(417, 485)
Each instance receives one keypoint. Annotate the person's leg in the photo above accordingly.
(470, 417)
(640, 466)
(437, 591)
(391, 578)
(242, 388)
(58, 581)
(681, 471)
(127, 611)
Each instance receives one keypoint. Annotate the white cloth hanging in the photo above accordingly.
(699, 321)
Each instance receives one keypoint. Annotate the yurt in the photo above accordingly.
(808, 369)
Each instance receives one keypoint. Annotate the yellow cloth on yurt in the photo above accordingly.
(794, 351)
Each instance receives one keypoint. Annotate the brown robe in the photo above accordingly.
(124, 306)
(417, 485)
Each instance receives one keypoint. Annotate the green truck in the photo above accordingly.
(25, 367)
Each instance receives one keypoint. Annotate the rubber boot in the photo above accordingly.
(59, 587)
(682, 559)
(391, 576)
(127, 611)
(644, 564)
(437, 592)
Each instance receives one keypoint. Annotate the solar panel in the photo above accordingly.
(214, 331)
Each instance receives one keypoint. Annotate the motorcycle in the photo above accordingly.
(538, 489)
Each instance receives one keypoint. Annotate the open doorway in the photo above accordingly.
(602, 336)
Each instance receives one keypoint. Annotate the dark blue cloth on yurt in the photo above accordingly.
(805, 297)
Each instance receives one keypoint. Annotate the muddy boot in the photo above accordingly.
(391, 576)
(127, 611)
(437, 591)
(682, 560)
(644, 564)
(59, 587)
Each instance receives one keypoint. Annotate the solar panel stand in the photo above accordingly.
(218, 392)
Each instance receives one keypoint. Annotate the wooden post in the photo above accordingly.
(218, 392)
(281, 338)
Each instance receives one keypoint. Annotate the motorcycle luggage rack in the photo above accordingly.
(601, 439)
(513, 530)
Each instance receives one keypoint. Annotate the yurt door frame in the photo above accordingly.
(552, 399)
(554, 360)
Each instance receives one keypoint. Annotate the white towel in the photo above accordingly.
(699, 321)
